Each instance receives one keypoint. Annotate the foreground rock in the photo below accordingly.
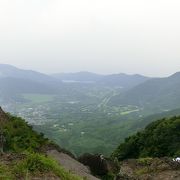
(149, 169)
(99, 165)
(71, 164)
(3, 116)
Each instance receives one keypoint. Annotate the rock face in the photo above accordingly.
(3, 119)
(71, 164)
(149, 169)
(3, 116)
(98, 165)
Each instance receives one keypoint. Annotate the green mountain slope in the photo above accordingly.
(21, 155)
(15, 82)
(8, 71)
(123, 80)
(99, 133)
(155, 95)
(12, 89)
(160, 138)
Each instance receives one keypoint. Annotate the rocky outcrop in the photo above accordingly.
(98, 164)
(149, 169)
(71, 164)
(3, 116)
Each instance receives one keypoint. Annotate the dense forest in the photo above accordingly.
(20, 136)
(160, 138)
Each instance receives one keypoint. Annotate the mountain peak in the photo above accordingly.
(9, 71)
(177, 74)
(7, 66)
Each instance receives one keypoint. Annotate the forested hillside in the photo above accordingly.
(90, 113)
(154, 95)
(160, 138)
(22, 155)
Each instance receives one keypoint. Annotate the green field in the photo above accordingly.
(38, 98)
(130, 111)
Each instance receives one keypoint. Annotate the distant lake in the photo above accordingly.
(73, 81)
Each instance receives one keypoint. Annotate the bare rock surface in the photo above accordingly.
(3, 116)
(149, 169)
(71, 164)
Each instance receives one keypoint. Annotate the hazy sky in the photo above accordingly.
(105, 36)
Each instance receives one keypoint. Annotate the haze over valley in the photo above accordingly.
(84, 112)
(90, 89)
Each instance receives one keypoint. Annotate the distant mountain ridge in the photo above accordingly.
(14, 82)
(82, 76)
(9, 71)
(121, 79)
(156, 93)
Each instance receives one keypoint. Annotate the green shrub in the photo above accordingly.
(5, 172)
(145, 161)
(38, 163)
(108, 177)
(21, 137)
(142, 171)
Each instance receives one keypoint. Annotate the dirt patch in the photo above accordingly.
(47, 176)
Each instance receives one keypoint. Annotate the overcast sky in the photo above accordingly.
(103, 36)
